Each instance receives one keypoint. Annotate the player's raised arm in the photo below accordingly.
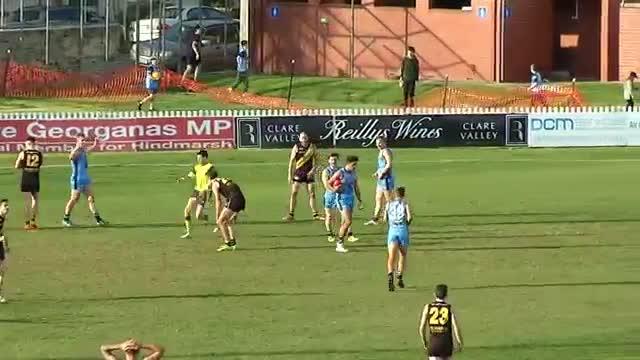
(292, 161)
(20, 160)
(108, 350)
(74, 153)
(155, 351)
(95, 143)
(422, 327)
(457, 332)
(189, 175)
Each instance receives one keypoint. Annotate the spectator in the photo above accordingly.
(242, 67)
(536, 79)
(409, 75)
(628, 90)
(194, 55)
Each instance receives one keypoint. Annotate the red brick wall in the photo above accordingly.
(629, 41)
(528, 38)
(449, 42)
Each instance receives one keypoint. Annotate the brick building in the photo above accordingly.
(491, 40)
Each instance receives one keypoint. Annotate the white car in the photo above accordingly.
(150, 28)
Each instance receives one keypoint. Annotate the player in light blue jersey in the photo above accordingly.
(330, 196)
(384, 178)
(151, 83)
(345, 183)
(331, 199)
(80, 180)
(398, 215)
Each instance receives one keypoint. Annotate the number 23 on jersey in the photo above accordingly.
(438, 316)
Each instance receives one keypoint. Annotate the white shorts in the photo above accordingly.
(439, 358)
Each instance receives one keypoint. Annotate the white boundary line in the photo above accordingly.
(441, 161)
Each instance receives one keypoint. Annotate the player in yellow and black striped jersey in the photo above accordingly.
(439, 330)
(30, 160)
(202, 173)
(4, 244)
(227, 191)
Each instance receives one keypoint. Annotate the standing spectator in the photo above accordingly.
(194, 55)
(242, 67)
(628, 90)
(409, 75)
(536, 79)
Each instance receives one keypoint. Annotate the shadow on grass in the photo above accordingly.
(558, 221)
(554, 346)
(492, 215)
(300, 352)
(261, 354)
(191, 296)
(418, 235)
(22, 321)
(359, 247)
(532, 247)
(114, 226)
(544, 285)
(364, 352)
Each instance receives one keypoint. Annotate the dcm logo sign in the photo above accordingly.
(552, 124)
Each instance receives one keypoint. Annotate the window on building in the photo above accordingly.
(342, 2)
(397, 3)
(449, 4)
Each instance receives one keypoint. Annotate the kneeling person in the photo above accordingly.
(227, 190)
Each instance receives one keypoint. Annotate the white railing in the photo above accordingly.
(308, 112)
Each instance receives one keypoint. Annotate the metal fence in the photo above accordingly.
(97, 35)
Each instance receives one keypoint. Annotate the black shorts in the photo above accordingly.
(191, 60)
(30, 183)
(440, 347)
(301, 177)
(200, 196)
(409, 89)
(3, 255)
(236, 202)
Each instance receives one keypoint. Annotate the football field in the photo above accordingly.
(540, 249)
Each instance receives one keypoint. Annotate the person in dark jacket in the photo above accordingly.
(409, 75)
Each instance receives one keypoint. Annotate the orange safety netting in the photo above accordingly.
(487, 97)
(19, 80)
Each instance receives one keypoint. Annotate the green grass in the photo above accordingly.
(314, 92)
(538, 246)
(601, 94)
(170, 101)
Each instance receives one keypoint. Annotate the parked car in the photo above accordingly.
(150, 28)
(35, 16)
(216, 54)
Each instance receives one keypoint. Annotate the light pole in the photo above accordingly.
(244, 19)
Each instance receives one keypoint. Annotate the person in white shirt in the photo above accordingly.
(628, 90)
